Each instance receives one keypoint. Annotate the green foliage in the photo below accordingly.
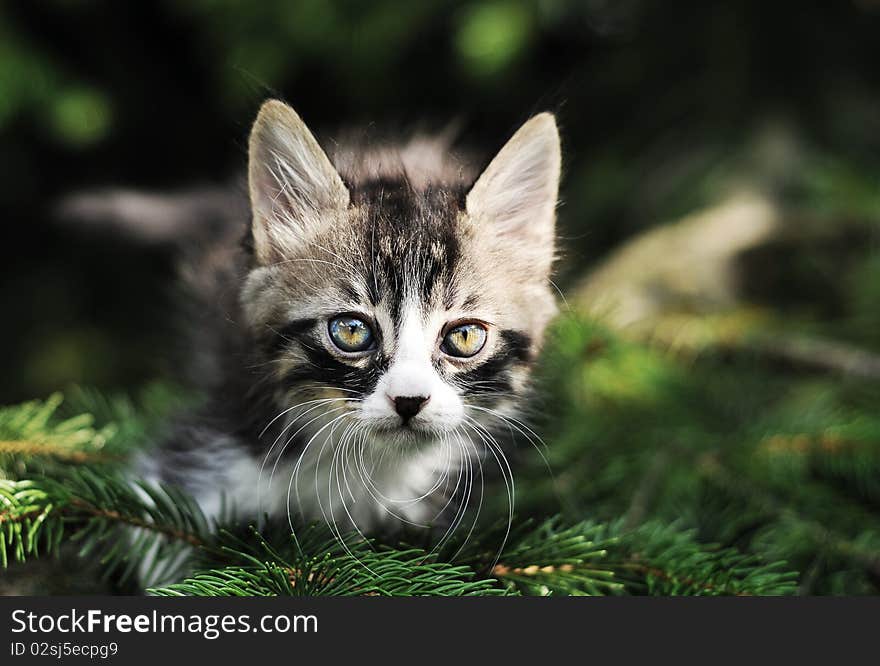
(778, 465)
(669, 562)
(492, 35)
(161, 534)
(319, 564)
(700, 469)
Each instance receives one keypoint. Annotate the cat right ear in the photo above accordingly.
(516, 195)
(293, 186)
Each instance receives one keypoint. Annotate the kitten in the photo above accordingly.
(379, 322)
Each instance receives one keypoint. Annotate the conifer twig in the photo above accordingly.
(42, 449)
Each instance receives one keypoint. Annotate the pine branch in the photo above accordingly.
(61, 453)
(552, 559)
(33, 430)
(127, 521)
(104, 510)
(747, 330)
(823, 536)
(268, 581)
(591, 558)
(161, 533)
(663, 560)
(318, 563)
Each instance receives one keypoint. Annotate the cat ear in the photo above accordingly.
(293, 186)
(516, 194)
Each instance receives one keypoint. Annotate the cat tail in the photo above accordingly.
(174, 219)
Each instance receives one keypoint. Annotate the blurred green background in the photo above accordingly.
(657, 102)
(722, 181)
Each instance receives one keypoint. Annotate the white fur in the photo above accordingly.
(320, 486)
(349, 461)
(412, 374)
(341, 478)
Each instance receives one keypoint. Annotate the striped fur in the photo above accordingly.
(410, 242)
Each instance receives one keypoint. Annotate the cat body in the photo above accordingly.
(365, 347)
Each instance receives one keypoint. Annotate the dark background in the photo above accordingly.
(749, 419)
(652, 97)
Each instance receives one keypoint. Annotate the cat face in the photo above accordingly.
(404, 305)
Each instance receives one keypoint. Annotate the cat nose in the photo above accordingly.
(408, 406)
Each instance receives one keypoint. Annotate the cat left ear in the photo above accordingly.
(517, 192)
(293, 186)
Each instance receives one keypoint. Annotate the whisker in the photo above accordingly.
(460, 510)
(519, 425)
(294, 476)
(292, 437)
(277, 439)
(479, 504)
(332, 523)
(507, 474)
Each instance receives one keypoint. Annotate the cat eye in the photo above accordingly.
(464, 340)
(351, 334)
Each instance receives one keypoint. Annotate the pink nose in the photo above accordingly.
(408, 406)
